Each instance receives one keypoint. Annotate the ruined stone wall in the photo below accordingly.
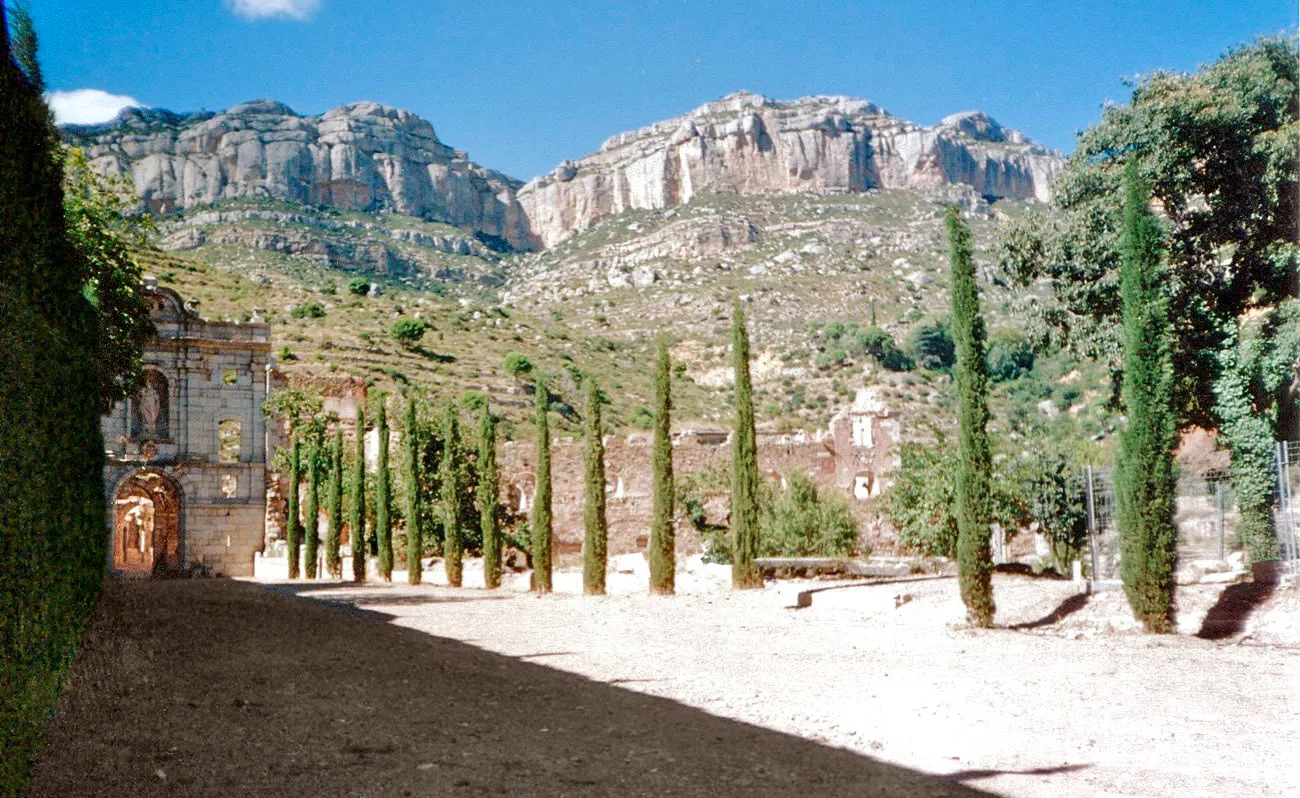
(628, 482)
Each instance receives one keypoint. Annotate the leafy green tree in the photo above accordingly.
(488, 499)
(333, 561)
(975, 466)
(383, 495)
(453, 527)
(357, 509)
(922, 503)
(1144, 474)
(663, 564)
(103, 231)
(293, 527)
(744, 465)
(411, 475)
(1217, 151)
(312, 512)
(595, 542)
(541, 521)
(408, 332)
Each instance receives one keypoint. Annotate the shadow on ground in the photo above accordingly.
(1227, 618)
(972, 775)
(1063, 610)
(214, 687)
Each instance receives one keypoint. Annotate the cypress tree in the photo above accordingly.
(542, 500)
(744, 465)
(292, 526)
(1144, 474)
(596, 541)
(975, 466)
(357, 514)
(383, 495)
(489, 481)
(311, 525)
(411, 476)
(449, 468)
(334, 562)
(663, 564)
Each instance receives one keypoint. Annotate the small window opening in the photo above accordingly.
(228, 443)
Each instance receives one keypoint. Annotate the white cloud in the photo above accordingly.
(269, 9)
(87, 106)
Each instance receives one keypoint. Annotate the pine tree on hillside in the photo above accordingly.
(663, 564)
(292, 526)
(383, 496)
(975, 467)
(1144, 473)
(311, 516)
(489, 485)
(542, 500)
(411, 478)
(744, 465)
(596, 540)
(454, 539)
(333, 532)
(357, 512)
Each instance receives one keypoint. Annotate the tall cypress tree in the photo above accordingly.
(489, 486)
(975, 467)
(744, 465)
(334, 562)
(311, 525)
(292, 526)
(1144, 474)
(411, 477)
(357, 514)
(449, 468)
(663, 563)
(596, 540)
(383, 497)
(542, 500)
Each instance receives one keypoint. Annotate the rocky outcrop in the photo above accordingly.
(750, 144)
(364, 157)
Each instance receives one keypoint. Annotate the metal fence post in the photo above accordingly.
(1092, 527)
(1218, 500)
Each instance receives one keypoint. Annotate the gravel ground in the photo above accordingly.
(214, 687)
(1067, 698)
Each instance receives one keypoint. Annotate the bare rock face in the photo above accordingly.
(748, 144)
(364, 157)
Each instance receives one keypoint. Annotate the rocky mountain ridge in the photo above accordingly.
(359, 157)
(374, 158)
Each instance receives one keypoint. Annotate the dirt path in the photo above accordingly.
(1073, 701)
(220, 688)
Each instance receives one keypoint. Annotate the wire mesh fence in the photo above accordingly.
(1205, 515)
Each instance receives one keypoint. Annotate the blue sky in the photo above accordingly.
(523, 85)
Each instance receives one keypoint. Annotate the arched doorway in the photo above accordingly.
(147, 524)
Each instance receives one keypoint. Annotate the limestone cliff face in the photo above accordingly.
(750, 144)
(365, 157)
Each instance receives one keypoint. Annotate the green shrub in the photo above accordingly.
(408, 332)
(1010, 356)
(359, 287)
(802, 521)
(518, 365)
(308, 310)
(931, 346)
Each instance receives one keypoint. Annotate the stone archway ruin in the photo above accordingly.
(147, 524)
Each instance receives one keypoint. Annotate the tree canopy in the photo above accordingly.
(1218, 150)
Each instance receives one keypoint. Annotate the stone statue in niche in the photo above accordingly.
(150, 408)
